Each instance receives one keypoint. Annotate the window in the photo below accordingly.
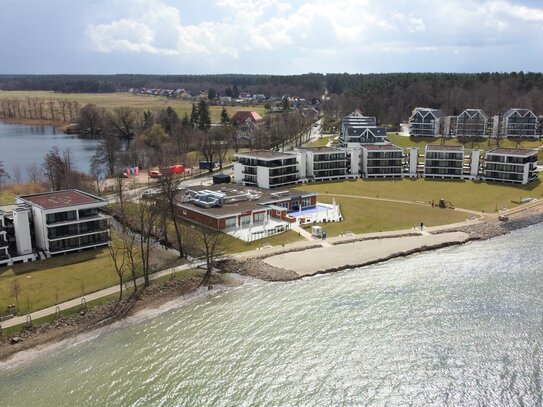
(245, 220)
(230, 223)
(259, 217)
(306, 202)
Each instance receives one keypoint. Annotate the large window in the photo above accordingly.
(230, 223)
(245, 220)
(259, 217)
(61, 217)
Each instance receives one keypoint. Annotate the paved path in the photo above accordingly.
(90, 297)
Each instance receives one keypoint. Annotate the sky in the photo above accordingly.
(269, 36)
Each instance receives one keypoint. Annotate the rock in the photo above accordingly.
(15, 339)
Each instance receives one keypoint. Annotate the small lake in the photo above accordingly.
(22, 145)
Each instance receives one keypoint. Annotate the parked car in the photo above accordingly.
(155, 174)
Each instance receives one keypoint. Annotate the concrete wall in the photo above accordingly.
(23, 239)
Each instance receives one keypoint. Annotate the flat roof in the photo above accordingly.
(266, 154)
(322, 149)
(434, 147)
(61, 199)
(260, 198)
(381, 147)
(524, 152)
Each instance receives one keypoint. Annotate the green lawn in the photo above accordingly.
(322, 141)
(6, 197)
(366, 216)
(475, 195)
(233, 245)
(111, 100)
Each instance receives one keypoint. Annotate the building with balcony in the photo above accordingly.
(356, 118)
(4, 254)
(426, 122)
(322, 163)
(520, 123)
(472, 123)
(356, 135)
(250, 213)
(381, 161)
(513, 165)
(444, 162)
(63, 221)
(266, 169)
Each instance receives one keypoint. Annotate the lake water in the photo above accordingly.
(22, 145)
(462, 326)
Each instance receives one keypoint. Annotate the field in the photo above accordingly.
(322, 141)
(474, 195)
(65, 277)
(366, 216)
(112, 100)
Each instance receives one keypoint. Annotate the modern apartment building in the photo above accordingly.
(513, 165)
(520, 123)
(472, 123)
(356, 135)
(426, 122)
(444, 162)
(266, 169)
(322, 163)
(381, 161)
(4, 254)
(356, 118)
(66, 221)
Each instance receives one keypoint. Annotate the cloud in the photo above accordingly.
(233, 29)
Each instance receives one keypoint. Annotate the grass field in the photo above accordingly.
(321, 142)
(366, 216)
(111, 100)
(473, 195)
(233, 245)
(6, 197)
(67, 277)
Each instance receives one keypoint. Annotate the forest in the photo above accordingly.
(390, 97)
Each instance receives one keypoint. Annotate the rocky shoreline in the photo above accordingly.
(68, 326)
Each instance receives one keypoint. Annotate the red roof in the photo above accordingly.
(242, 116)
(61, 199)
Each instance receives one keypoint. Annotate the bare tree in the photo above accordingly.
(16, 291)
(107, 154)
(91, 118)
(118, 256)
(147, 216)
(122, 122)
(207, 243)
(169, 186)
(34, 173)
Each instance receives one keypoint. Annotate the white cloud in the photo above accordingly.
(237, 28)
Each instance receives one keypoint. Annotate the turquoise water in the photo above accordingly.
(460, 326)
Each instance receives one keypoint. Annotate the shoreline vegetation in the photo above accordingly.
(256, 266)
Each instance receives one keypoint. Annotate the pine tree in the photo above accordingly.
(225, 119)
(204, 119)
(194, 118)
(186, 121)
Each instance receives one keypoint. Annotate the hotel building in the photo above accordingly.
(513, 165)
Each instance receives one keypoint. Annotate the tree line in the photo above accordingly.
(39, 109)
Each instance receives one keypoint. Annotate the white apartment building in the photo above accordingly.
(381, 161)
(512, 165)
(520, 123)
(426, 122)
(322, 163)
(472, 123)
(444, 162)
(266, 169)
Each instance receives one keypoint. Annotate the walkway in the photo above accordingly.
(90, 297)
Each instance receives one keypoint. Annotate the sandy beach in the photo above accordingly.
(336, 257)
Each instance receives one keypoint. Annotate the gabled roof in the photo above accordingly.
(520, 112)
(425, 111)
(357, 131)
(473, 113)
(243, 115)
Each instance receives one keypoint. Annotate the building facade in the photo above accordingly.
(4, 254)
(444, 161)
(472, 123)
(381, 161)
(266, 169)
(426, 122)
(322, 163)
(512, 165)
(520, 123)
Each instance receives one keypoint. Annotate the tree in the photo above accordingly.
(122, 122)
(207, 148)
(235, 91)
(60, 171)
(3, 175)
(222, 139)
(225, 119)
(16, 291)
(118, 257)
(211, 94)
(204, 118)
(168, 119)
(194, 118)
(169, 187)
(147, 215)
(207, 243)
(91, 118)
(106, 157)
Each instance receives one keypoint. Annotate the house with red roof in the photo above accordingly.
(242, 116)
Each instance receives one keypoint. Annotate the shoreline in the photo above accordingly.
(259, 267)
(59, 125)
(144, 305)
